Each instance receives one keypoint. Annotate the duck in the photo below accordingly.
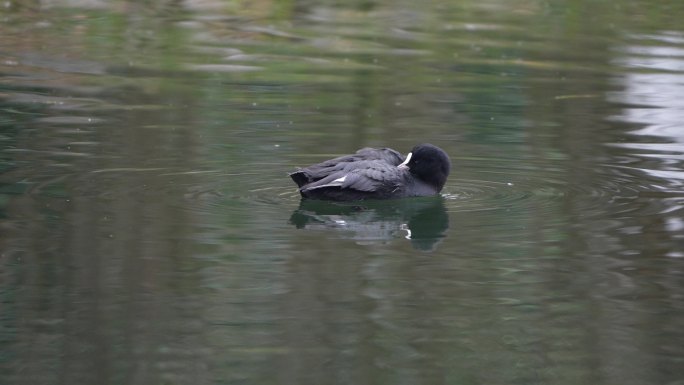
(376, 173)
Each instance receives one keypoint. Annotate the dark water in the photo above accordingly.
(149, 233)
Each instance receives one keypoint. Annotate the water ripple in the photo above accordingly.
(652, 101)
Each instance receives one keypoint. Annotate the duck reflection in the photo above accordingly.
(423, 221)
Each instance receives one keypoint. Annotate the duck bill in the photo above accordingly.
(404, 165)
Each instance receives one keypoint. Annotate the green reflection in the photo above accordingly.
(147, 218)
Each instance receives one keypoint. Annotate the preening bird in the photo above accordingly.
(376, 173)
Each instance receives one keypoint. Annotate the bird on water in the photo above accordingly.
(376, 173)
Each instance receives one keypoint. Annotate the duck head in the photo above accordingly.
(428, 163)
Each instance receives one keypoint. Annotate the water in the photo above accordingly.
(150, 233)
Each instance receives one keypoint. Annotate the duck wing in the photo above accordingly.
(385, 154)
(345, 164)
(369, 179)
